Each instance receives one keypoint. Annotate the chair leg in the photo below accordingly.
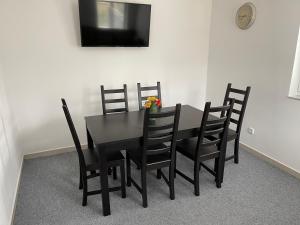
(196, 178)
(218, 172)
(123, 183)
(144, 187)
(115, 173)
(158, 174)
(128, 170)
(218, 184)
(85, 190)
(171, 181)
(216, 167)
(80, 179)
(175, 160)
(236, 150)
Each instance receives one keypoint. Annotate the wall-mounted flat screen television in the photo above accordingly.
(107, 23)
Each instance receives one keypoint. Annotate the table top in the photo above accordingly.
(128, 127)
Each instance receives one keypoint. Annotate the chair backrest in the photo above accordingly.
(163, 130)
(73, 133)
(240, 104)
(213, 126)
(142, 98)
(106, 101)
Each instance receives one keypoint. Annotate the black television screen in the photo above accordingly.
(105, 23)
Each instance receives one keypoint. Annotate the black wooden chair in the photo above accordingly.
(157, 149)
(108, 110)
(89, 162)
(106, 101)
(201, 149)
(237, 116)
(142, 98)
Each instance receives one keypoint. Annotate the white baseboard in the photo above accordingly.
(51, 152)
(16, 193)
(32, 156)
(271, 160)
(248, 148)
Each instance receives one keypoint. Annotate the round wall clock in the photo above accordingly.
(245, 16)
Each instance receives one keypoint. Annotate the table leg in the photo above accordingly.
(104, 181)
(89, 139)
(90, 145)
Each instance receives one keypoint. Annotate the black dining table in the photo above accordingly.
(121, 131)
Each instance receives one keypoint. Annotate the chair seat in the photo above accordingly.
(136, 156)
(92, 161)
(187, 147)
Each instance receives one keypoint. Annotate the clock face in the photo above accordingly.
(245, 16)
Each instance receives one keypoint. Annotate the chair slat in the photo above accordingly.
(159, 140)
(238, 91)
(240, 102)
(144, 98)
(149, 88)
(160, 134)
(115, 100)
(158, 151)
(213, 132)
(236, 111)
(234, 121)
(162, 127)
(217, 121)
(219, 109)
(214, 126)
(113, 91)
(115, 110)
(162, 114)
(236, 101)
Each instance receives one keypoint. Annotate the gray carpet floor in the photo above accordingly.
(253, 192)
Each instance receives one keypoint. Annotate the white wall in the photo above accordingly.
(42, 61)
(262, 57)
(10, 158)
